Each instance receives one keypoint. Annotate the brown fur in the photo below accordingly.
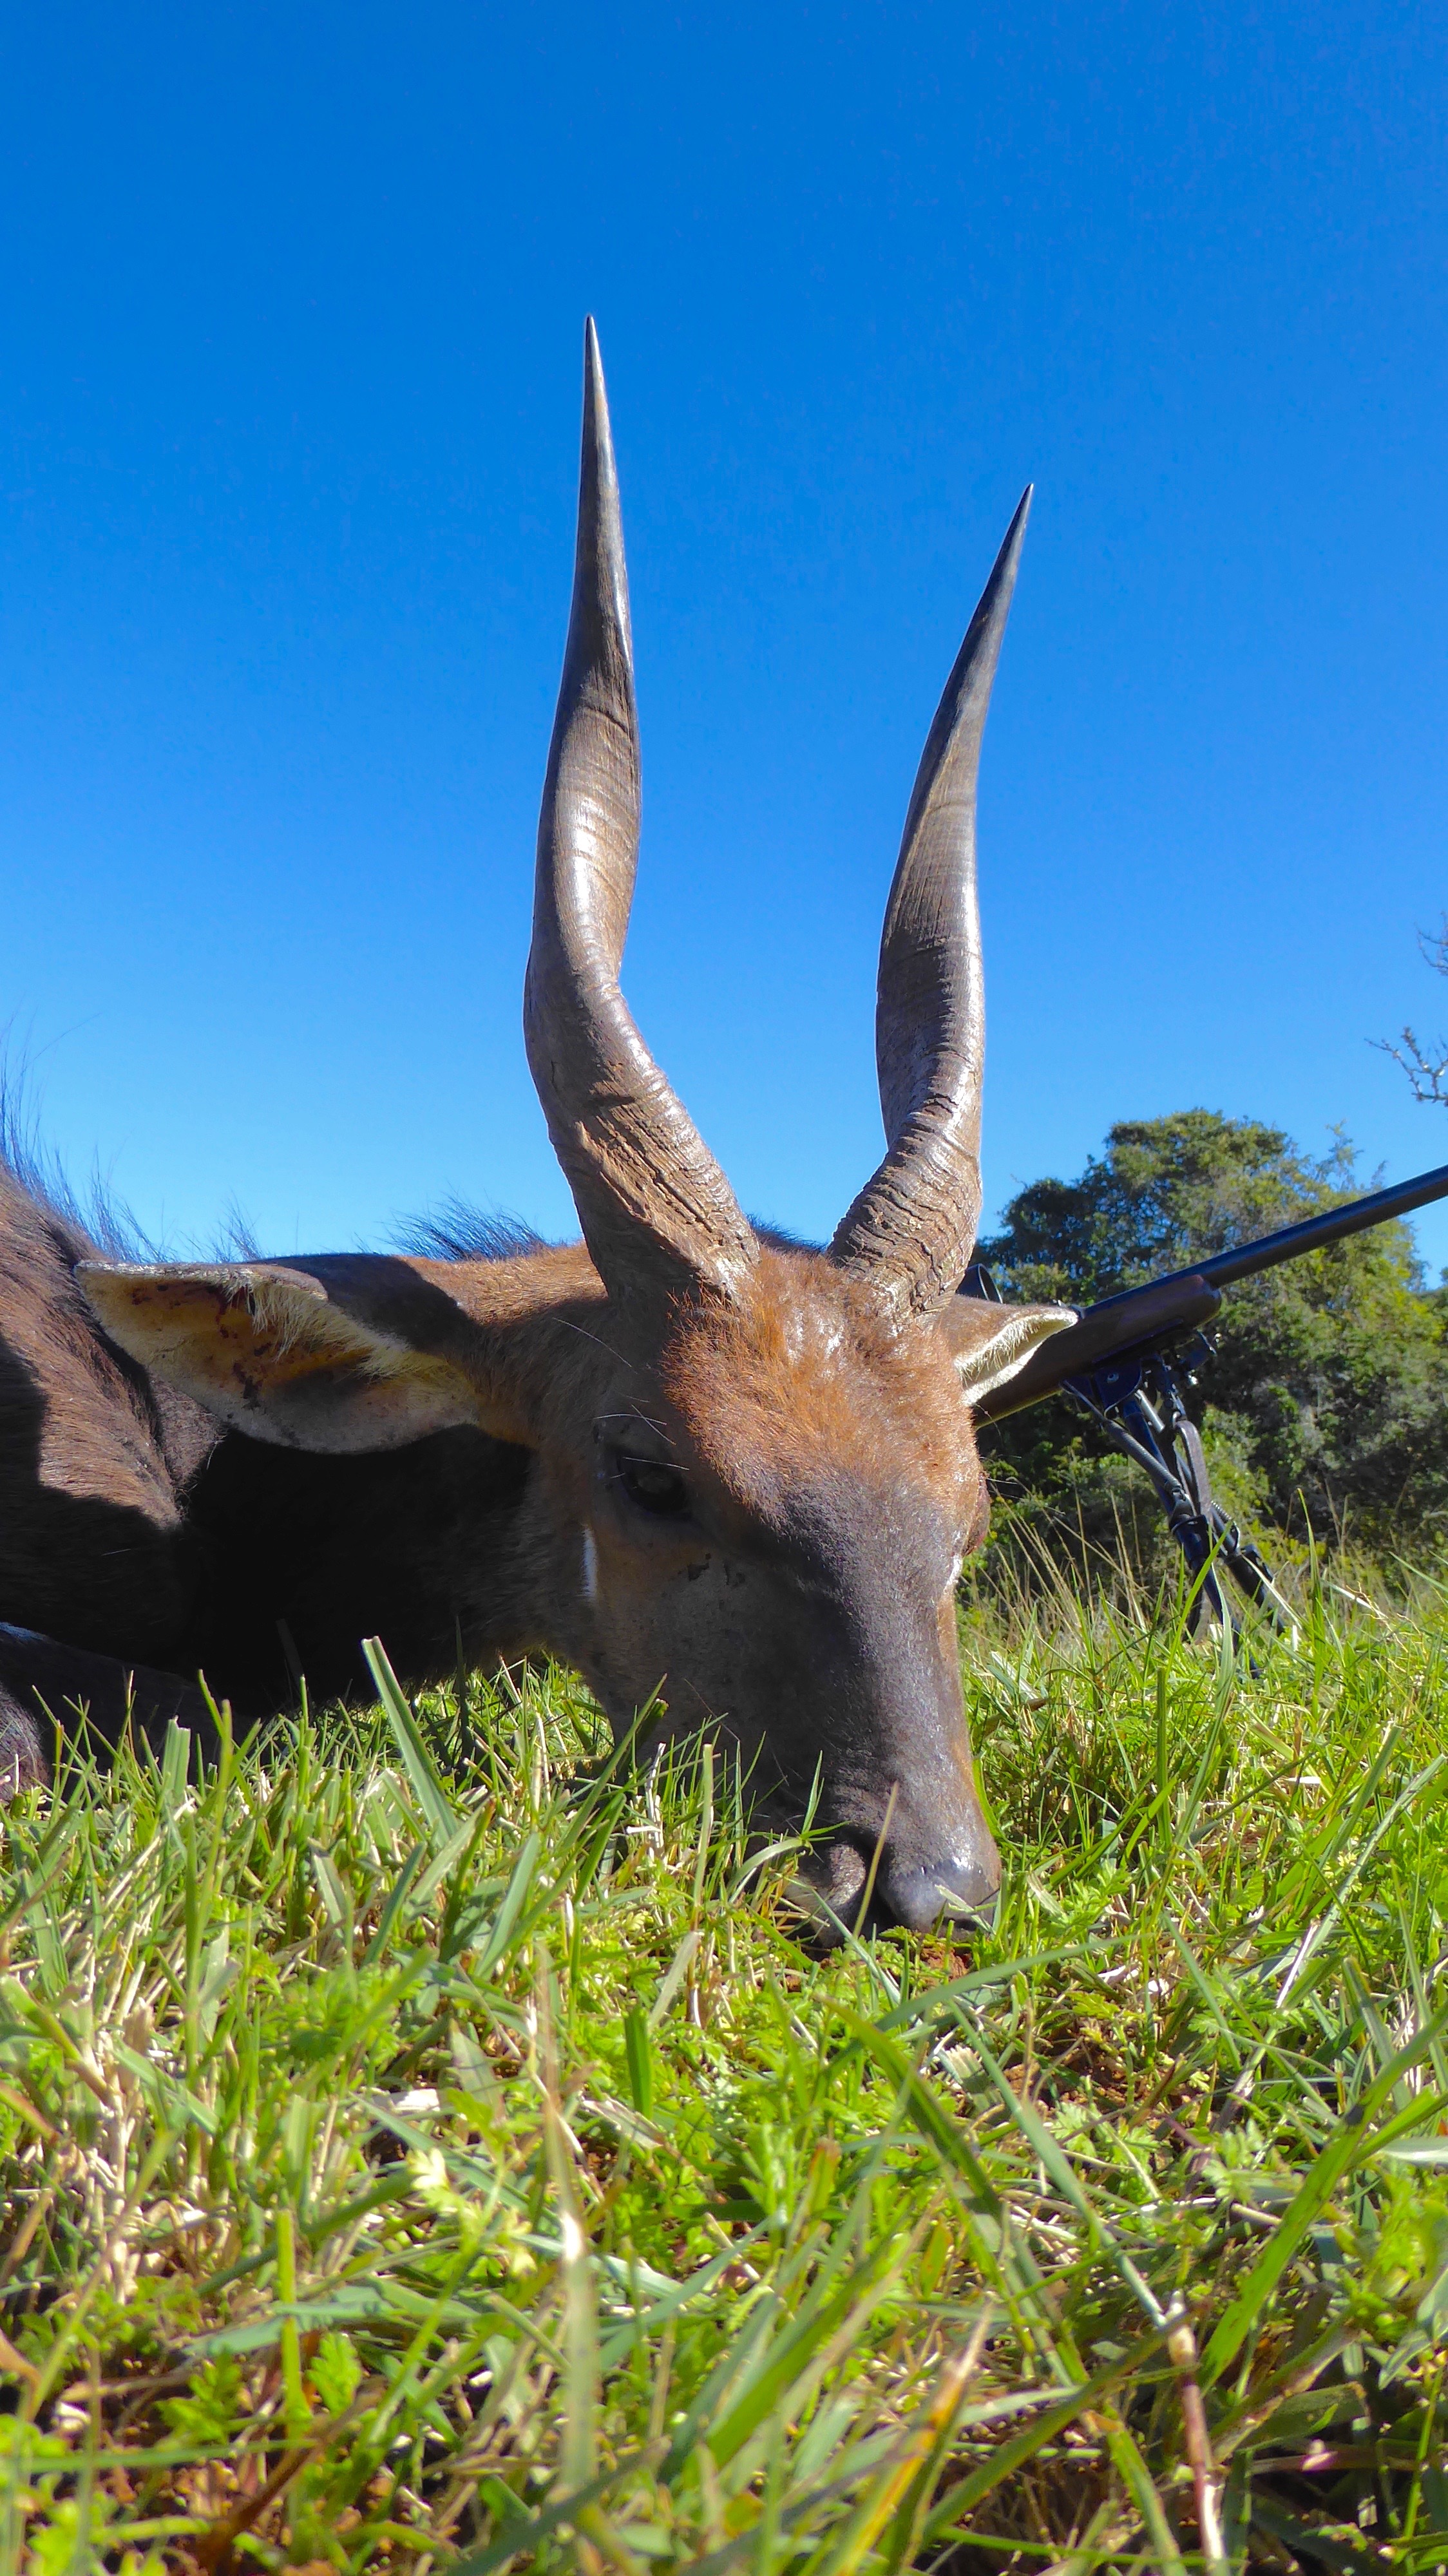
(804, 1377)
(224, 1469)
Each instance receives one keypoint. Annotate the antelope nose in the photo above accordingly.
(916, 1891)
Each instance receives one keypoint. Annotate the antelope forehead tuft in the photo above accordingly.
(812, 1334)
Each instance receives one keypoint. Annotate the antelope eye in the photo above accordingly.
(652, 1485)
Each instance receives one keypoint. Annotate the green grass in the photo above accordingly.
(434, 2158)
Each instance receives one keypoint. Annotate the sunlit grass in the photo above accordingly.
(418, 2152)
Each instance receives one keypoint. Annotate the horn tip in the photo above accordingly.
(996, 597)
(597, 432)
(1015, 534)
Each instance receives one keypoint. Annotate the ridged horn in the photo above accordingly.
(655, 1208)
(910, 1233)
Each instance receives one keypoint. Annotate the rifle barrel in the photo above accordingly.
(1183, 1299)
(1245, 1259)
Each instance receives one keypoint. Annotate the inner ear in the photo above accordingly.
(989, 1342)
(289, 1355)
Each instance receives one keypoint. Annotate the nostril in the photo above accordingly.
(839, 1869)
(908, 1889)
(916, 1893)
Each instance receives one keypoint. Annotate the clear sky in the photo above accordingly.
(292, 309)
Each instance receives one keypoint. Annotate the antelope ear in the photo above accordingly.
(989, 1342)
(347, 1353)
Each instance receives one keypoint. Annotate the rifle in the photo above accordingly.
(1130, 1359)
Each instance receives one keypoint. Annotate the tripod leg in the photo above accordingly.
(1248, 1569)
(1149, 1423)
(1207, 1520)
(1253, 1576)
(1179, 1474)
(1193, 1535)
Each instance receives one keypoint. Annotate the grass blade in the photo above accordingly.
(418, 1762)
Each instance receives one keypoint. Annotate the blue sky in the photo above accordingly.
(292, 309)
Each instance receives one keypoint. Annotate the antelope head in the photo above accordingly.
(754, 1474)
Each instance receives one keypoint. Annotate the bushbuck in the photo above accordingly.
(728, 1478)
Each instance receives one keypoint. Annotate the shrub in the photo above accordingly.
(1326, 1401)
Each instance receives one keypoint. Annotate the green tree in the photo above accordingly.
(1325, 1406)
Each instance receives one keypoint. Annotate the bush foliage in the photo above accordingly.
(1325, 1406)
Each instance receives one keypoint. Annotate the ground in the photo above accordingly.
(418, 2151)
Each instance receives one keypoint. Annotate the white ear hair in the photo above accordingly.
(264, 1347)
(990, 1343)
